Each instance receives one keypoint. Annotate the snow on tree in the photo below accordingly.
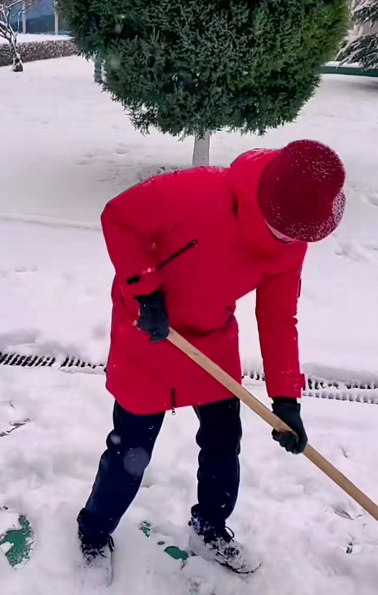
(11, 10)
(363, 49)
(195, 67)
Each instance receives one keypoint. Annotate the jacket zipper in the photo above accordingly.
(173, 401)
(159, 267)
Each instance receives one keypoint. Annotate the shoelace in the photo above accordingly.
(98, 550)
(227, 534)
(111, 543)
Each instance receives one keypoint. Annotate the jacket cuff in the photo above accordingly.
(289, 386)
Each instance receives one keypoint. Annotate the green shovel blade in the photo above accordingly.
(18, 543)
(172, 550)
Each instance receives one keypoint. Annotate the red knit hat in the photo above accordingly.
(300, 191)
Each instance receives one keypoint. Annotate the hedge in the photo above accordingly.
(38, 50)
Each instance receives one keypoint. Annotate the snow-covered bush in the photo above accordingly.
(363, 48)
(38, 50)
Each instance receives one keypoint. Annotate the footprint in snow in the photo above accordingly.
(121, 150)
(373, 199)
(91, 156)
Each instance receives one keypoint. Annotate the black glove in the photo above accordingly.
(153, 317)
(289, 411)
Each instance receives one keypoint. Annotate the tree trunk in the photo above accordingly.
(23, 17)
(201, 152)
(56, 23)
(17, 61)
(98, 70)
(18, 65)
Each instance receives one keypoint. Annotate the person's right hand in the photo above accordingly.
(153, 316)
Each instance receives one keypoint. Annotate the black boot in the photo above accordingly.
(97, 556)
(217, 544)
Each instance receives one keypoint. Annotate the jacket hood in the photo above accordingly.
(245, 173)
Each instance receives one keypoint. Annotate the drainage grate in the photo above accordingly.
(319, 388)
(37, 361)
(357, 391)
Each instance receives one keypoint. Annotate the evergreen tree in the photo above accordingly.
(364, 48)
(193, 67)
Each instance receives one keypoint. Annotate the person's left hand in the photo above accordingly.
(289, 411)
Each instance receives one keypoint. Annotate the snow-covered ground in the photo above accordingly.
(286, 511)
(29, 37)
(65, 149)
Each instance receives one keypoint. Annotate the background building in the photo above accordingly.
(41, 17)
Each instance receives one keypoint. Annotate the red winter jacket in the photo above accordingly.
(213, 212)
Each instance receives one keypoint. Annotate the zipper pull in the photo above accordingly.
(173, 401)
(137, 278)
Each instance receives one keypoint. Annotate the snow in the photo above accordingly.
(8, 520)
(29, 37)
(336, 64)
(65, 149)
(286, 510)
(6, 547)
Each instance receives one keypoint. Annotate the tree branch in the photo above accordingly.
(6, 14)
(8, 6)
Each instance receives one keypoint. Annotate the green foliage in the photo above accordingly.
(363, 49)
(191, 66)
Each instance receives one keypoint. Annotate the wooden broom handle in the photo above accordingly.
(239, 391)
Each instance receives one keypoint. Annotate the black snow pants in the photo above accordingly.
(129, 450)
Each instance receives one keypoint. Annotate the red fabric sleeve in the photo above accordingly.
(132, 224)
(276, 310)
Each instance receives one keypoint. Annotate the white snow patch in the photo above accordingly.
(6, 547)
(8, 521)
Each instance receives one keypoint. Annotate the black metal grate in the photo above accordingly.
(37, 361)
(357, 391)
